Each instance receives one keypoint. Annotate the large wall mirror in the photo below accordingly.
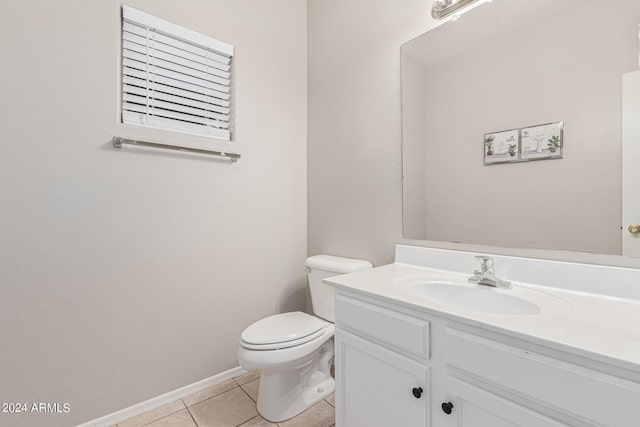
(509, 65)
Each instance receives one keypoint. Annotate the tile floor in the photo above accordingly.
(231, 403)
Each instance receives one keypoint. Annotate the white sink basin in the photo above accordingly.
(454, 291)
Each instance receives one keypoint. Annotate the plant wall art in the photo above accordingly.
(539, 142)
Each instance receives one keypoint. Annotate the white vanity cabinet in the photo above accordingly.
(475, 407)
(379, 386)
(485, 378)
(382, 385)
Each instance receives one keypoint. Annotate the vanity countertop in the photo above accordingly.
(597, 326)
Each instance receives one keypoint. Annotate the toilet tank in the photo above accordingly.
(322, 266)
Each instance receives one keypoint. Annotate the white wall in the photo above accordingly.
(354, 137)
(127, 274)
(414, 149)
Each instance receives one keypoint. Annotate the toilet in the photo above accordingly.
(294, 351)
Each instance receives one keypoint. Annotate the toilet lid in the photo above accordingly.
(283, 328)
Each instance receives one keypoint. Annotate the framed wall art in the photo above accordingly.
(501, 147)
(542, 142)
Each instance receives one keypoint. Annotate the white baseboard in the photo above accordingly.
(156, 402)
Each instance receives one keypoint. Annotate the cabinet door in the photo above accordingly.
(375, 387)
(476, 407)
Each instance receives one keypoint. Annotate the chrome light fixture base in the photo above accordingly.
(443, 8)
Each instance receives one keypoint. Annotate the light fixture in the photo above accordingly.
(443, 8)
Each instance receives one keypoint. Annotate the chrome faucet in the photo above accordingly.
(486, 275)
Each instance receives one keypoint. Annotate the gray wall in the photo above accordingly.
(127, 274)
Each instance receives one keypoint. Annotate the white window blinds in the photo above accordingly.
(174, 78)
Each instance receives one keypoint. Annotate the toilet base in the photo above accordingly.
(285, 394)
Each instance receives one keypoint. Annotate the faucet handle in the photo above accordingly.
(486, 263)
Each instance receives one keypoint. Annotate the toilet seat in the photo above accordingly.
(281, 345)
(290, 357)
(282, 331)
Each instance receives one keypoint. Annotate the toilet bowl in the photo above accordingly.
(294, 351)
(295, 369)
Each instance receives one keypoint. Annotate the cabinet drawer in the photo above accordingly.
(387, 326)
(579, 395)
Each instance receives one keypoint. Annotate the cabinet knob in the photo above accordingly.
(447, 407)
(417, 392)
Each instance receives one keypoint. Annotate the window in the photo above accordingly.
(174, 78)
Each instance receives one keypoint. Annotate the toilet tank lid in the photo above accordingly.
(335, 264)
